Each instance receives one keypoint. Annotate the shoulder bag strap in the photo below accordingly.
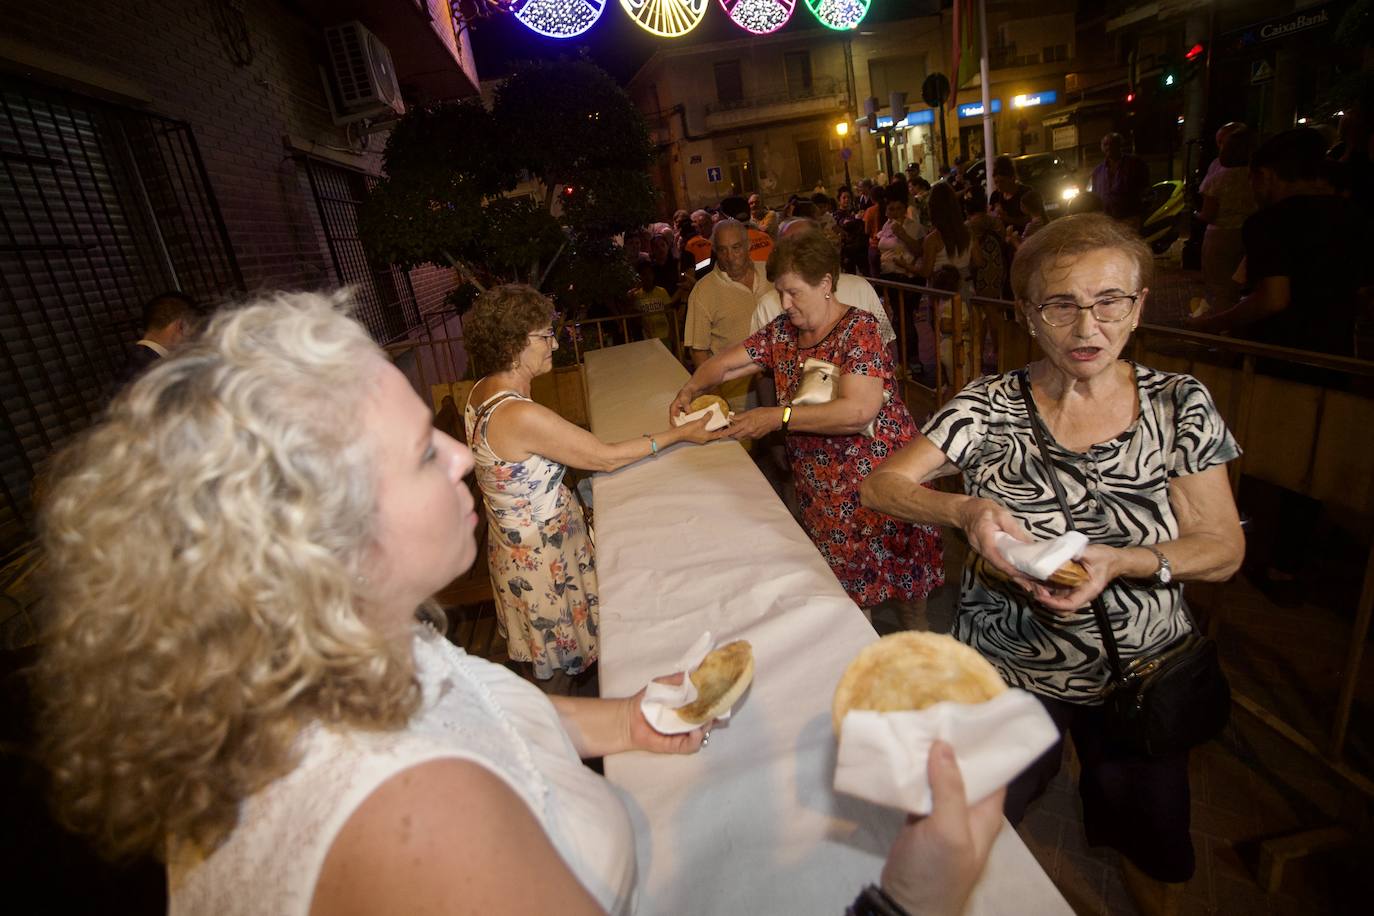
(484, 412)
(1099, 609)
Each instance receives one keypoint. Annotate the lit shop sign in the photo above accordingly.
(1278, 28)
(924, 116)
(1032, 99)
(975, 109)
(1299, 23)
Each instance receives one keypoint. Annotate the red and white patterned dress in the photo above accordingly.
(875, 556)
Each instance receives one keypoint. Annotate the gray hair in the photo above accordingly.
(798, 224)
(697, 214)
(727, 224)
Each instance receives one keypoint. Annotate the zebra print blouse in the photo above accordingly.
(1119, 494)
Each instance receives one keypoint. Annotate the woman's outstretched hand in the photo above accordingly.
(681, 404)
(641, 736)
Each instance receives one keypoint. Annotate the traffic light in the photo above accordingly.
(897, 101)
(1194, 60)
(1169, 76)
(871, 112)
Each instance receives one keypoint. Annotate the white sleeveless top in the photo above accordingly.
(472, 710)
(960, 262)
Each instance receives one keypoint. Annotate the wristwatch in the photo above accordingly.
(1165, 574)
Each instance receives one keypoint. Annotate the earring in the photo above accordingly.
(827, 295)
(1134, 325)
(1032, 332)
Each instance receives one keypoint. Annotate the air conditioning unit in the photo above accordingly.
(364, 76)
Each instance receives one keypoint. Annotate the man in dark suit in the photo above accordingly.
(169, 319)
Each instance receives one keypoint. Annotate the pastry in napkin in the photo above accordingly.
(1050, 561)
(912, 671)
(908, 690)
(713, 681)
(707, 405)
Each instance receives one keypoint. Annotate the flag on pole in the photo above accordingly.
(963, 59)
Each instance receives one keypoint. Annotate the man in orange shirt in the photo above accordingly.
(760, 242)
(697, 248)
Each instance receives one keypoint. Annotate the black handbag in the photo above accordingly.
(1163, 704)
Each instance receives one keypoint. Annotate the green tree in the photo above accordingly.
(450, 170)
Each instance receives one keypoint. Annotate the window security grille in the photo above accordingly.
(101, 207)
(385, 298)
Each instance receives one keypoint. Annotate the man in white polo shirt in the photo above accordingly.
(722, 304)
(849, 289)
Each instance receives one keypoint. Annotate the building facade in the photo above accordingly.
(208, 147)
(760, 115)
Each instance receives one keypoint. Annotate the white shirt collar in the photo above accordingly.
(153, 345)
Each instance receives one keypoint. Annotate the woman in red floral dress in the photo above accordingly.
(875, 557)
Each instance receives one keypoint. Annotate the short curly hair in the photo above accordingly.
(203, 547)
(810, 254)
(1071, 236)
(498, 327)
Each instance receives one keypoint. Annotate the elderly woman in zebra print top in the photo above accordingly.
(1142, 455)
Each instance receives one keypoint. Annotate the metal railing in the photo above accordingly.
(819, 89)
(436, 360)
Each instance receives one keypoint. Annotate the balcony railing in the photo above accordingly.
(819, 89)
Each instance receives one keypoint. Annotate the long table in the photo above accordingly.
(694, 539)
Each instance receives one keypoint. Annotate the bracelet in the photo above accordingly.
(786, 418)
(653, 446)
(874, 901)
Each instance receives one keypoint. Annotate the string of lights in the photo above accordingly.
(668, 18)
(558, 18)
(759, 17)
(665, 18)
(840, 15)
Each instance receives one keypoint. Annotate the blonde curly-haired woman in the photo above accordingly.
(235, 677)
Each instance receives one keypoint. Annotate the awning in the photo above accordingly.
(1071, 114)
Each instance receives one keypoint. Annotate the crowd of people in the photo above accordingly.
(243, 651)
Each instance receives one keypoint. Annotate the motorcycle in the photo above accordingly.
(1164, 210)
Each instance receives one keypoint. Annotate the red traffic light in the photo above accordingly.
(569, 191)
(1130, 97)
(1195, 52)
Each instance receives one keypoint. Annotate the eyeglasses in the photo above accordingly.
(1061, 313)
(545, 335)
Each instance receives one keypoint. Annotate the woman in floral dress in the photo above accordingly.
(543, 568)
(876, 558)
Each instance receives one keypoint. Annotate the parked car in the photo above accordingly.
(1049, 173)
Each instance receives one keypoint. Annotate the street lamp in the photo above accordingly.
(842, 130)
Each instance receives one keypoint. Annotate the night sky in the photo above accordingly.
(622, 47)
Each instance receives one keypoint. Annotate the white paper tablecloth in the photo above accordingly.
(694, 540)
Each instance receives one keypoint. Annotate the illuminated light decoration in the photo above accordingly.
(667, 18)
(759, 17)
(558, 18)
(840, 15)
